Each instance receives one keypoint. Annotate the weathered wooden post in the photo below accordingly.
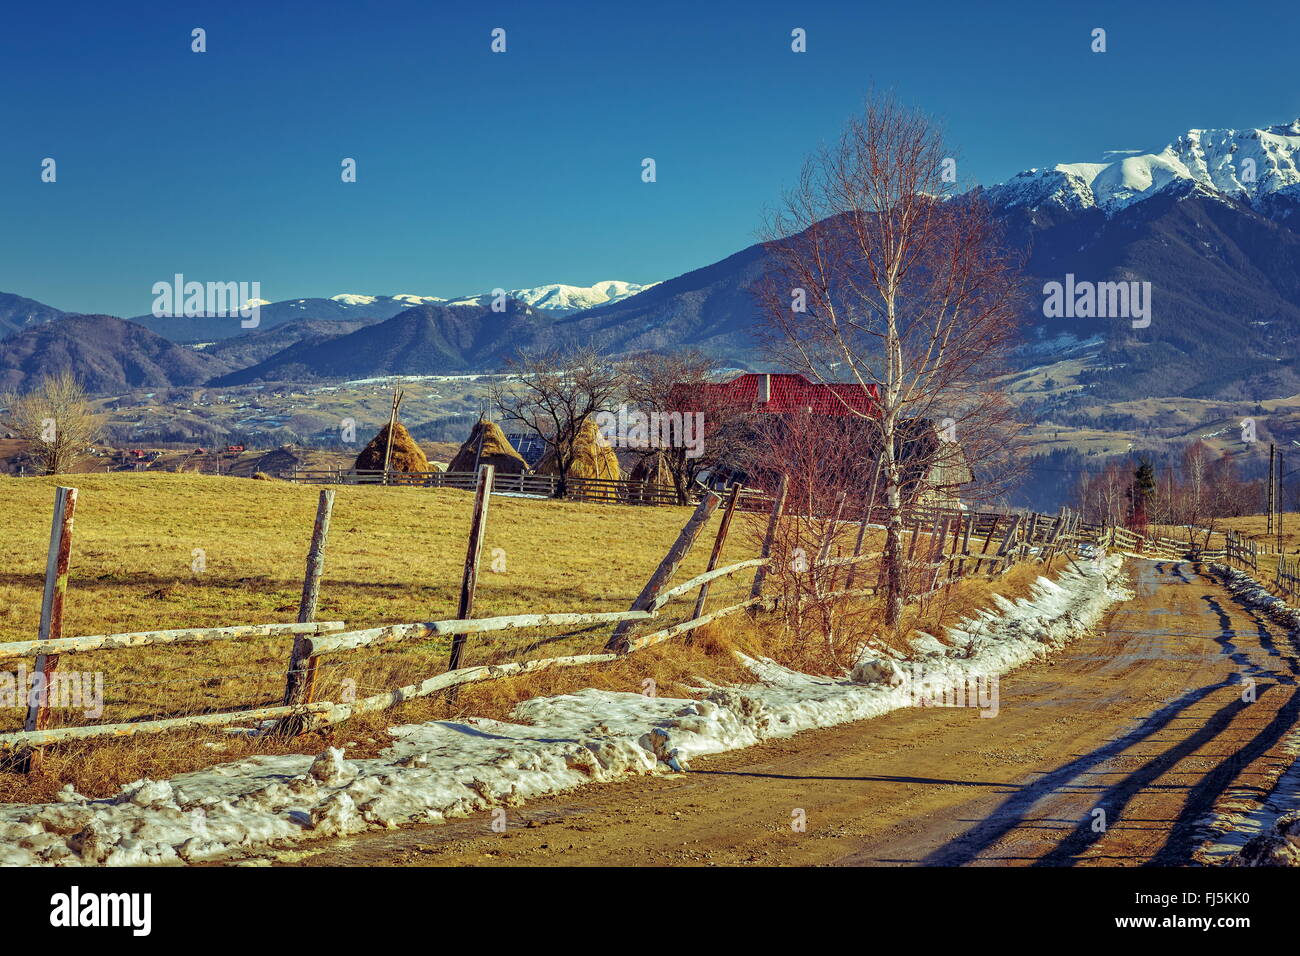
(477, 528)
(1008, 546)
(617, 642)
(938, 538)
(300, 684)
(51, 626)
(993, 529)
(965, 543)
(916, 531)
(723, 527)
(769, 538)
(825, 551)
(392, 423)
(857, 544)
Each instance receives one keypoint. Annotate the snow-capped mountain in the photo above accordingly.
(557, 298)
(566, 299)
(348, 298)
(1257, 166)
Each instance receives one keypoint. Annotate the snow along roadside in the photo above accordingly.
(1243, 831)
(447, 769)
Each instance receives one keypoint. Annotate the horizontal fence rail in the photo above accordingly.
(940, 547)
(193, 635)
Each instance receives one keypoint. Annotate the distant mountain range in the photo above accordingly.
(1210, 220)
(106, 353)
(17, 313)
(555, 300)
(421, 340)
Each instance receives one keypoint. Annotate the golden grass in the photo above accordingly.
(153, 551)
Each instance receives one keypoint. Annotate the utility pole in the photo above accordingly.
(1270, 488)
(1278, 499)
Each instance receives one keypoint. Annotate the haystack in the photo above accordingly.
(497, 451)
(591, 458)
(653, 470)
(407, 456)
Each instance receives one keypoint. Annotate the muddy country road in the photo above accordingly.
(1143, 720)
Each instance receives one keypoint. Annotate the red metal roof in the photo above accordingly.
(788, 392)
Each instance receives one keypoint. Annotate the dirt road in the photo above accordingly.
(1143, 719)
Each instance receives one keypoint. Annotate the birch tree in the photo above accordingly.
(881, 275)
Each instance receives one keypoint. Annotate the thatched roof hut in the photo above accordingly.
(592, 458)
(407, 456)
(497, 451)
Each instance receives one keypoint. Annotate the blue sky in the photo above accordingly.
(478, 170)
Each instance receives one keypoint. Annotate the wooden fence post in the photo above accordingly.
(300, 684)
(51, 626)
(392, 423)
(965, 543)
(1048, 551)
(857, 545)
(988, 539)
(482, 495)
(1008, 546)
(723, 527)
(916, 530)
(825, 551)
(617, 642)
(938, 538)
(769, 539)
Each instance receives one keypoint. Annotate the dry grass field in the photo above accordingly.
(154, 551)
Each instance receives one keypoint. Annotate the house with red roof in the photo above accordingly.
(782, 393)
(934, 468)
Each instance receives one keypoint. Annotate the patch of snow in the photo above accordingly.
(1244, 830)
(443, 769)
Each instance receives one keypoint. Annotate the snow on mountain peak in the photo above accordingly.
(1243, 164)
(556, 298)
(566, 299)
(349, 298)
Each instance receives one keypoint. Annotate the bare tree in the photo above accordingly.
(670, 386)
(822, 519)
(552, 393)
(882, 277)
(56, 419)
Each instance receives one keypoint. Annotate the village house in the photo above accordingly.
(934, 468)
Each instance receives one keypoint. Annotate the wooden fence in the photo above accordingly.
(1286, 578)
(942, 546)
(1240, 553)
(602, 490)
(1244, 554)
